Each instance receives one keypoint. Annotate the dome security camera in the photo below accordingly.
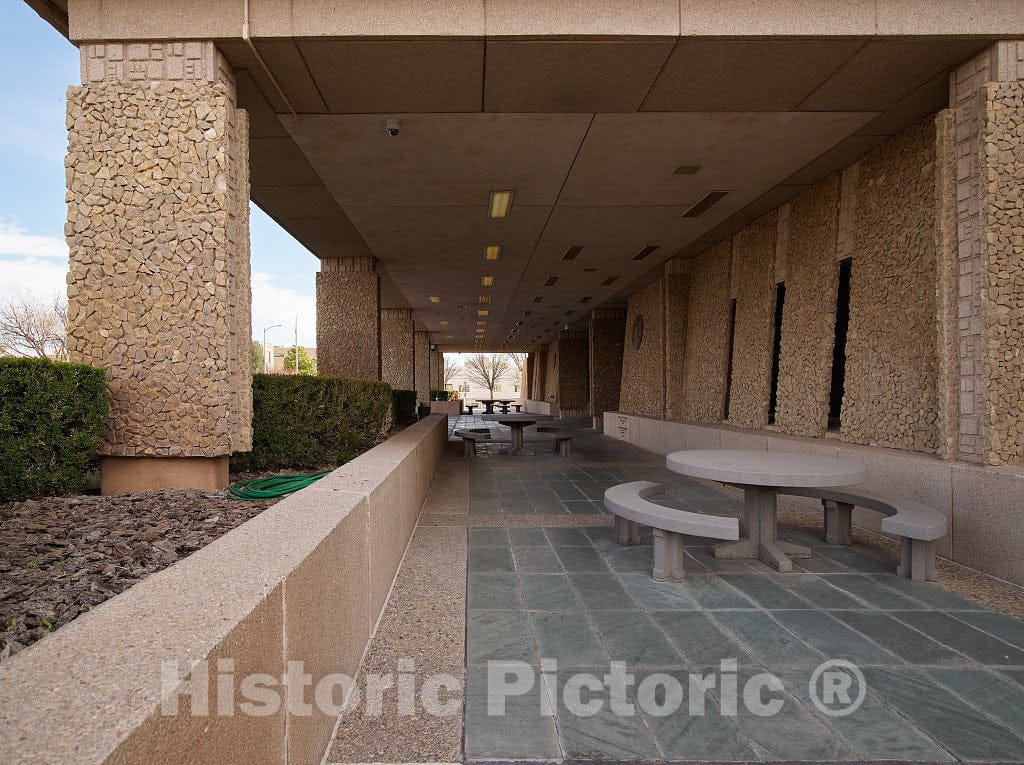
(392, 125)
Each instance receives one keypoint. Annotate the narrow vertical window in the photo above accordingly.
(835, 399)
(728, 368)
(773, 396)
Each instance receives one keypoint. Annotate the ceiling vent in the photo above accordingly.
(551, 281)
(648, 250)
(686, 170)
(609, 281)
(710, 199)
(537, 299)
(586, 299)
(573, 252)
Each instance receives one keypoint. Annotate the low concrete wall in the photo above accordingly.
(305, 581)
(985, 505)
(446, 407)
(540, 407)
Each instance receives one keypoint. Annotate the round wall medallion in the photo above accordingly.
(637, 332)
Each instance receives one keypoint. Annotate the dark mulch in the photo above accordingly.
(61, 556)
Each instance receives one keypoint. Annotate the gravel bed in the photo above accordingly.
(60, 556)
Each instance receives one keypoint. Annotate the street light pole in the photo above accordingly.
(272, 326)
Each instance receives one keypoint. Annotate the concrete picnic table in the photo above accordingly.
(490, 402)
(517, 422)
(760, 475)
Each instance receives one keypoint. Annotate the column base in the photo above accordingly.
(129, 475)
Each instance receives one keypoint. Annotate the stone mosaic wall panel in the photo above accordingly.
(537, 379)
(421, 355)
(643, 370)
(607, 333)
(158, 287)
(891, 357)
(707, 335)
(347, 321)
(677, 309)
(808, 320)
(396, 356)
(753, 277)
(1002, 159)
(574, 374)
(551, 372)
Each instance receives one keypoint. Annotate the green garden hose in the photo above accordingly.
(274, 487)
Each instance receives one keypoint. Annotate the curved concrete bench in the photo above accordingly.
(563, 438)
(917, 525)
(628, 503)
(470, 437)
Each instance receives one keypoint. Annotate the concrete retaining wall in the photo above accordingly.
(985, 505)
(540, 407)
(303, 581)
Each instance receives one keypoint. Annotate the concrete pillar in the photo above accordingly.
(348, 318)
(986, 97)
(607, 333)
(397, 364)
(677, 311)
(540, 362)
(421, 347)
(524, 380)
(158, 232)
(436, 370)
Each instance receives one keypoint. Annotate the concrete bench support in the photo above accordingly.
(916, 525)
(563, 438)
(470, 439)
(628, 503)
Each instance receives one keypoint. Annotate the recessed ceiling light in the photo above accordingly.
(444, 322)
(686, 170)
(573, 252)
(482, 323)
(710, 199)
(551, 281)
(648, 250)
(609, 281)
(500, 204)
(527, 313)
(435, 299)
(492, 252)
(537, 299)
(586, 299)
(487, 281)
(482, 312)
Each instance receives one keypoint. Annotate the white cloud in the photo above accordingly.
(274, 304)
(42, 277)
(14, 240)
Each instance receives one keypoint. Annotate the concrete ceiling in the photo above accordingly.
(587, 132)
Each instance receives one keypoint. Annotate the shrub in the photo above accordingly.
(52, 419)
(301, 421)
(403, 407)
(443, 395)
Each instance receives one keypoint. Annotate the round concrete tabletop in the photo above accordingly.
(753, 468)
(520, 417)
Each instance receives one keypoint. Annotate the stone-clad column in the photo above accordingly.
(607, 333)
(158, 231)
(421, 349)
(986, 100)
(436, 369)
(573, 395)
(348, 318)
(397, 364)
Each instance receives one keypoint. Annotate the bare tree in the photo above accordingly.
(30, 326)
(518, 361)
(450, 370)
(487, 369)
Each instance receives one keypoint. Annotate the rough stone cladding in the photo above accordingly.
(754, 290)
(1002, 159)
(539, 373)
(421, 354)
(551, 365)
(707, 335)
(396, 355)
(643, 372)
(348, 324)
(607, 333)
(808, 318)
(947, 278)
(890, 396)
(574, 374)
(677, 308)
(158, 289)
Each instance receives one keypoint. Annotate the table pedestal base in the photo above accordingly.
(517, 449)
(759, 540)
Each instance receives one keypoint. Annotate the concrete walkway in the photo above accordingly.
(544, 581)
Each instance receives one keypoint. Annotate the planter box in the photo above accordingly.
(446, 407)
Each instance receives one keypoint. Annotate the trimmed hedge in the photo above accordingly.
(52, 419)
(403, 407)
(300, 421)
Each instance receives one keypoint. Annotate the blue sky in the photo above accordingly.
(36, 67)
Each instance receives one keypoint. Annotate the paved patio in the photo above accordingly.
(545, 580)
